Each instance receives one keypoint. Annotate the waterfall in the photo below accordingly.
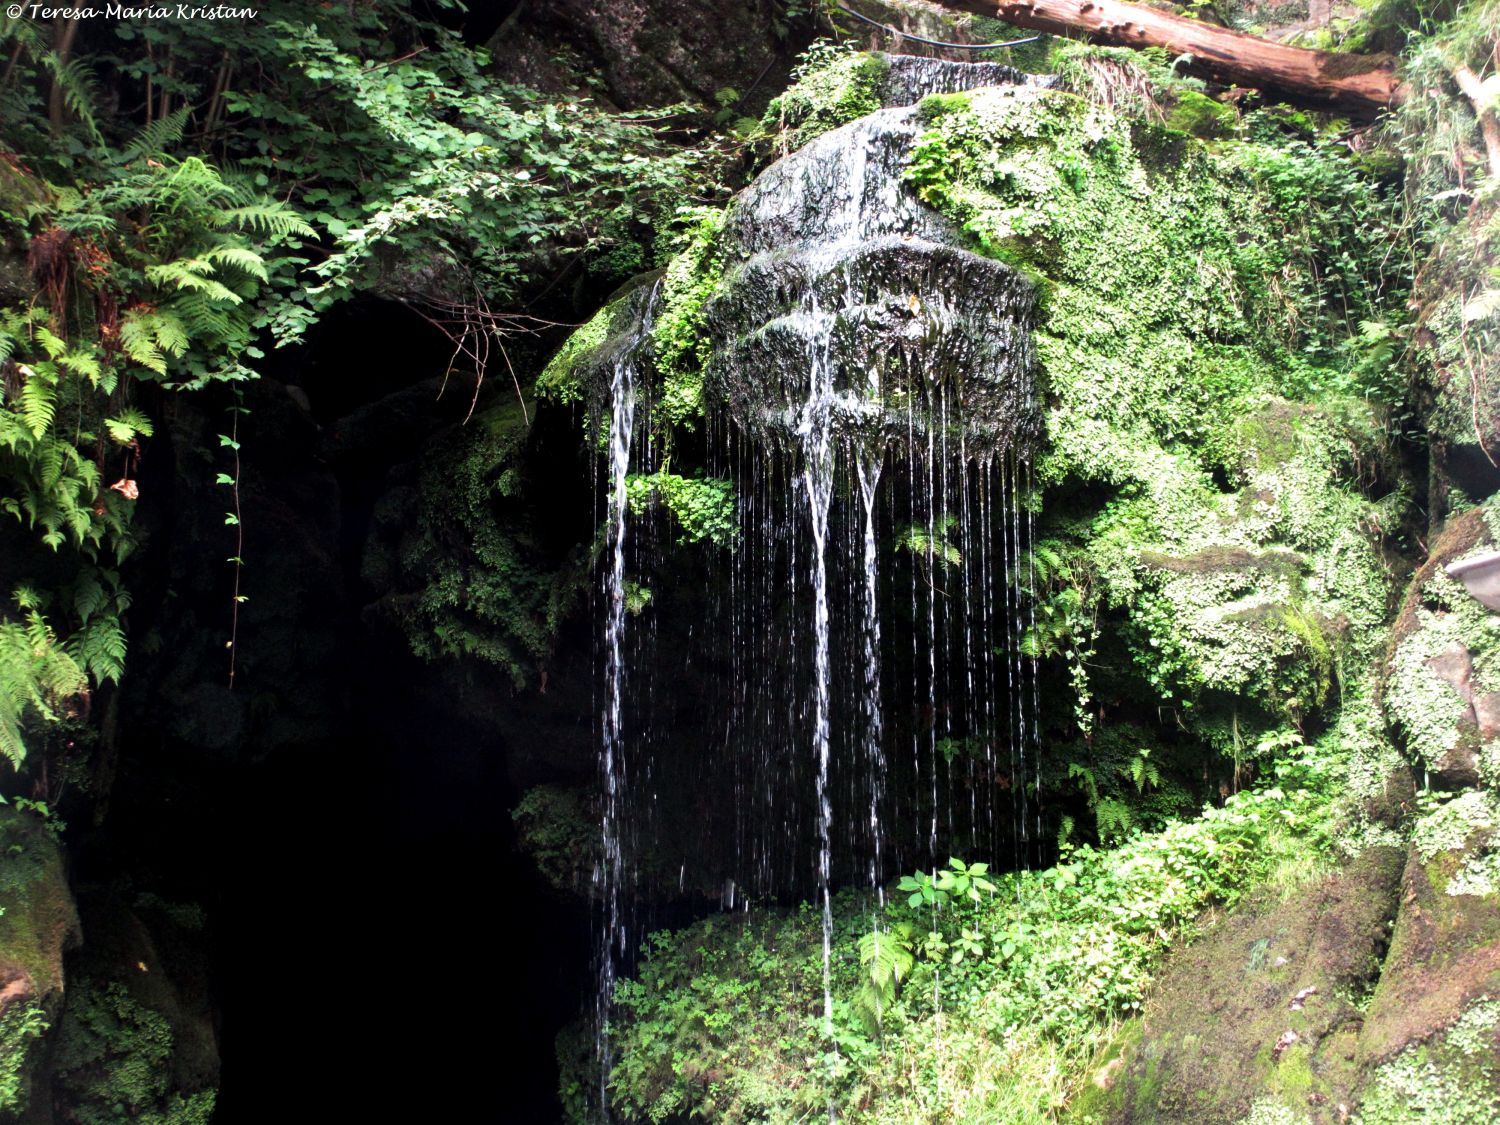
(840, 694)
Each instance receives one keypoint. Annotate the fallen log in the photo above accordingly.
(1357, 84)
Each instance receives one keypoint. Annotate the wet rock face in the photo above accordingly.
(910, 78)
(835, 262)
(842, 188)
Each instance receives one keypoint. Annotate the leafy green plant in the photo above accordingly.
(932, 547)
(20, 1025)
(965, 881)
(704, 507)
(1064, 622)
(923, 890)
(832, 85)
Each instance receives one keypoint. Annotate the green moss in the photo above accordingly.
(1449, 826)
(1200, 116)
(559, 380)
(1168, 347)
(679, 337)
(832, 86)
(1427, 708)
(37, 919)
(1272, 1111)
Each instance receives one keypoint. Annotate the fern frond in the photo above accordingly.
(80, 89)
(130, 423)
(89, 596)
(138, 338)
(171, 336)
(100, 648)
(276, 220)
(158, 137)
(38, 401)
(82, 363)
(241, 258)
(193, 274)
(53, 344)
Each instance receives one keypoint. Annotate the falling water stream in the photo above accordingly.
(815, 430)
(622, 398)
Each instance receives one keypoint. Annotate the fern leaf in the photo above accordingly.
(271, 219)
(38, 401)
(54, 345)
(100, 648)
(192, 274)
(158, 137)
(139, 341)
(241, 258)
(171, 336)
(82, 363)
(130, 423)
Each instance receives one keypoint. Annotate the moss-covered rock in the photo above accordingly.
(1265, 1005)
(1445, 948)
(137, 1039)
(1238, 547)
(1452, 1078)
(38, 922)
(833, 87)
(1366, 997)
(1441, 686)
(1218, 491)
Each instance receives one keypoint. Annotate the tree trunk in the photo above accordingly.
(1359, 84)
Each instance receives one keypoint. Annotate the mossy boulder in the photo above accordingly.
(1265, 1004)
(1369, 997)
(38, 922)
(1451, 1078)
(137, 1039)
(1441, 678)
(1445, 948)
(1230, 520)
